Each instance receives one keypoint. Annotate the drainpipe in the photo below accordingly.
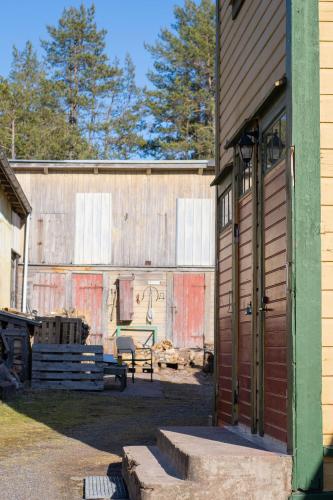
(26, 263)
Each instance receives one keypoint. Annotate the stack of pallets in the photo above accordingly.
(60, 330)
(72, 367)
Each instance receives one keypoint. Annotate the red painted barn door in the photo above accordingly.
(48, 293)
(88, 301)
(188, 309)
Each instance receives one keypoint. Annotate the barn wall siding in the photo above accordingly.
(143, 214)
(326, 130)
(52, 289)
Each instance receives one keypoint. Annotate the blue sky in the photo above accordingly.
(130, 23)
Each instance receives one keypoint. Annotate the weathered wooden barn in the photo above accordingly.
(14, 211)
(274, 320)
(129, 245)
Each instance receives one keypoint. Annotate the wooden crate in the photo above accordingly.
(60, 330)
(72, 367)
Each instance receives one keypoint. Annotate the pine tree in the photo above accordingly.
(182, 100)
(76, 55)
(32, 123)
(123, 125)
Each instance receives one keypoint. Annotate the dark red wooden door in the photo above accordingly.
(275, 318)
(188, 309)
(88, 301)
(245, 333)
(224, 409)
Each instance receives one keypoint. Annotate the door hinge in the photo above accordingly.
(236, 233)
(236, 391)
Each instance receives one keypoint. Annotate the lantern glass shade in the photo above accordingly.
(274, 141)
(274, 147)
(246, 145)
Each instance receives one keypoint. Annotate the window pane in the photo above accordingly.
(274, 140)
(225, 202)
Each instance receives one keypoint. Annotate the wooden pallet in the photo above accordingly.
(72, 367)
(60, 330)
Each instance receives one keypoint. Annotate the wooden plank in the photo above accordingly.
(36, 356)
(67, 348)
(65, 367)
(39, 375)
(69, 385)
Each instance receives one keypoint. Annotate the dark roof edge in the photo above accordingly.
(11, 186)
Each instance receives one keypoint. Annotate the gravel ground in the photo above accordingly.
(50, 441)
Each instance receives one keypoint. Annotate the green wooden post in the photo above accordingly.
(304, 118)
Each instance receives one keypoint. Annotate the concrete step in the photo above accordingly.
(148, 475)
(216, 456)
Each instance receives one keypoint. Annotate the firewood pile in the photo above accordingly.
(165, 355)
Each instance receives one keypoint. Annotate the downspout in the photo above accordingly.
(26, 263)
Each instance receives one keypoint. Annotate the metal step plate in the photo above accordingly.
(105, 487)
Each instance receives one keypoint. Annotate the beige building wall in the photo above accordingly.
(326, 118)
(5, 249)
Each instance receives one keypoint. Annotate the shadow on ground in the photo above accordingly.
(108, 420)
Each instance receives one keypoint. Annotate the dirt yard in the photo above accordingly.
(49, 441)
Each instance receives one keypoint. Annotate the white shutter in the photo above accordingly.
(195, 232)
(93, 228)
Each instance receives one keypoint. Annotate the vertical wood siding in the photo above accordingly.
(245, 299)
(326, 132)
(195, 232)
(93, 228)
(252, 58)
(275, 319)
(143, 213)
(224, 409)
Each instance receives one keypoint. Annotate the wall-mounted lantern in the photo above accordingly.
(274, 148)
(246, 146)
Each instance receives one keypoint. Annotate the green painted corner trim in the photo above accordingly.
(304, 136)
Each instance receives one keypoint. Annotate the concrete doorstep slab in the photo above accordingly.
(205, 462)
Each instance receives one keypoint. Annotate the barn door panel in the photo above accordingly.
(274, 303)
(88, 302)
(188, 310)
(48, 293)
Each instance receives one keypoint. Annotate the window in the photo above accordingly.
(236, 7)
(245, 176)
(225, 208)
(274, 142)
